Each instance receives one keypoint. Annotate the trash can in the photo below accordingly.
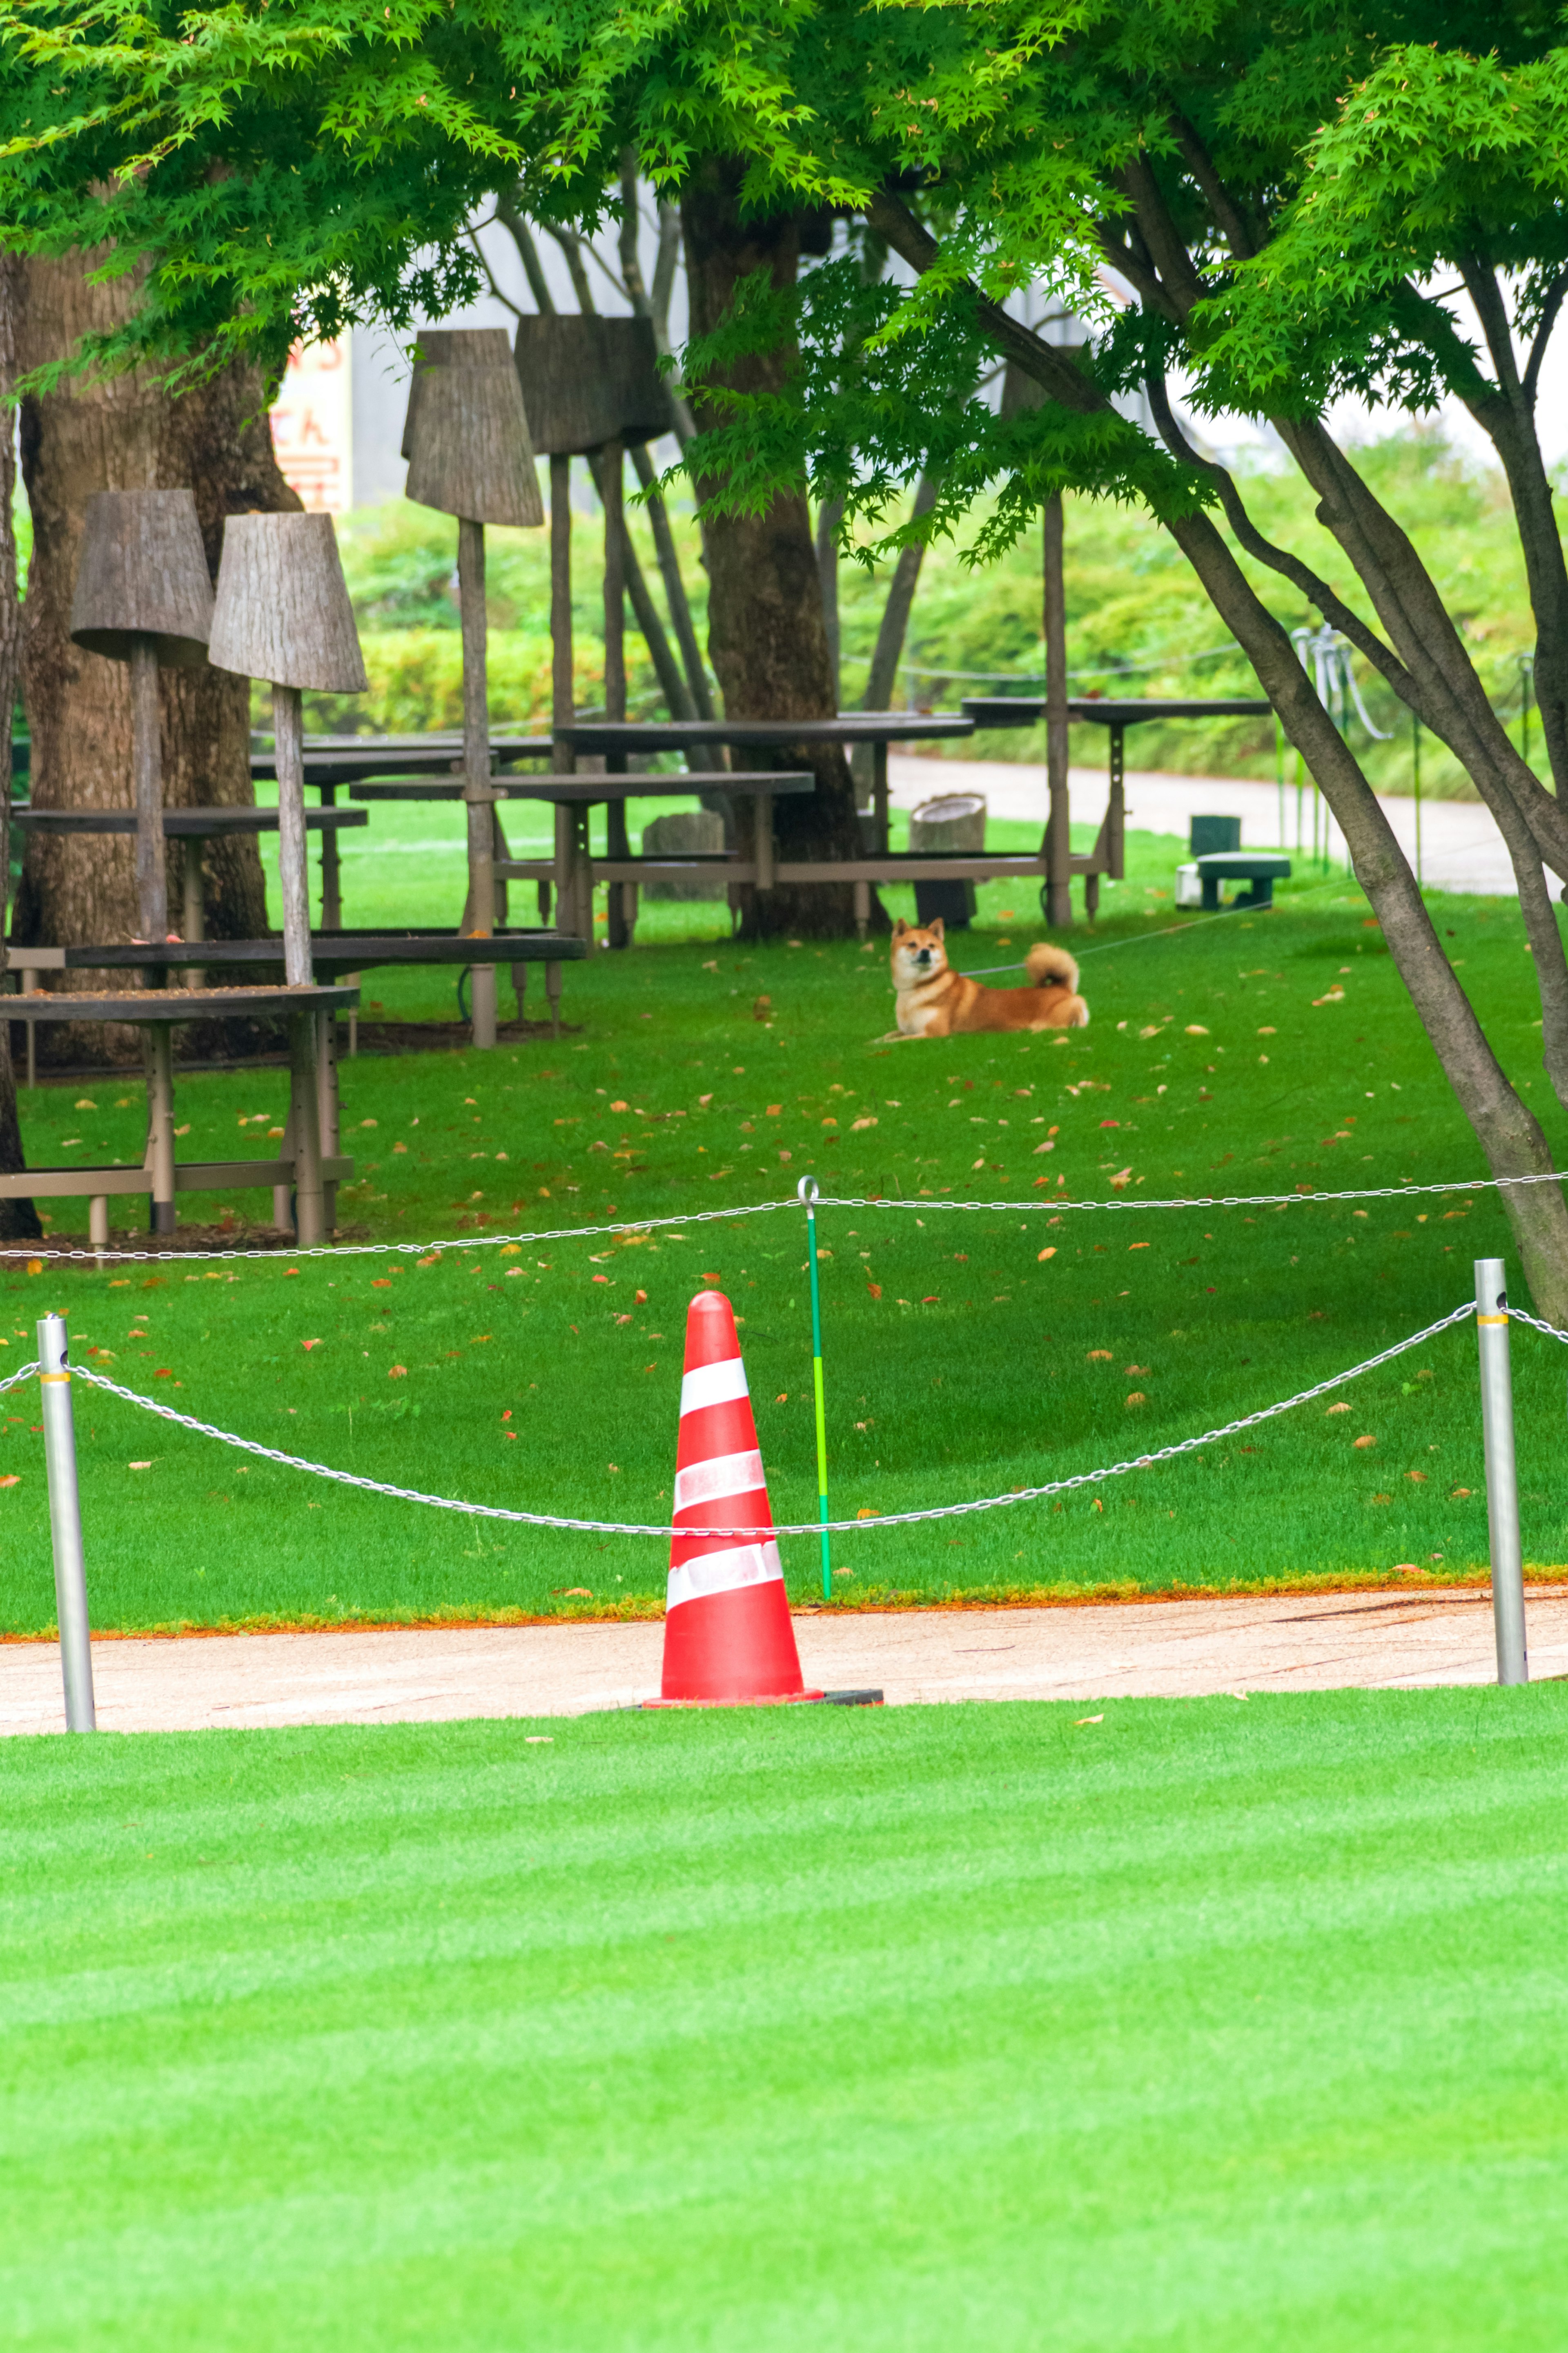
(1211, 833)
(946, 827)
(681, 835)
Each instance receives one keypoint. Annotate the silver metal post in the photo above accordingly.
(65, 1526)
(1502, 1482)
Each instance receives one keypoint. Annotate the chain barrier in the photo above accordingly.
(1058, 1205)
(15, 1380)
(784, 1528)
(1519, 1316)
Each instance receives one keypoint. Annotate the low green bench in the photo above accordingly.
(1260, 868)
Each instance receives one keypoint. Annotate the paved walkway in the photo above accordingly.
(1378, 1640)
(1461, 848)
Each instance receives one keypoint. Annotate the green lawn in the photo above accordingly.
(1208, 2025)
(1259, 1053)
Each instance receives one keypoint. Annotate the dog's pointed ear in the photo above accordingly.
(936, 929)
(900, 928)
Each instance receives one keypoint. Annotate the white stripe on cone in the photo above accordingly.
(713, 1385)
(720, 1477)
(724, 1572)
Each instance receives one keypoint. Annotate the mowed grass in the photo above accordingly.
(968, 1351)
(1177, 2024)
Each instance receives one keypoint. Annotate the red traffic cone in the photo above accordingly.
(727, 1631)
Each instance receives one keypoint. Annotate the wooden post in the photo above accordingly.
(289, 759)
(160, 1125)
(880, 795)
(327, 1107)
(477, 787)
(195, 926)
(147, 776)
(1058, 823)
(611, 486)
(332, 872)
(310, 1220)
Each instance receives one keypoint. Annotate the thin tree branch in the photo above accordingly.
(1551, 305)
(1227, 215)
(516, 309)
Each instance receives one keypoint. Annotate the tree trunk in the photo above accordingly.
(766, 635)
(18, 1219)
(126, 433)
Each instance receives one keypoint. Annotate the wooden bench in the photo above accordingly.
(1260, 868)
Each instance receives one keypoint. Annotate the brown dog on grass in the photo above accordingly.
(934, 1001)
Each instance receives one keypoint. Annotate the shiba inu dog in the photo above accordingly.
(934, 1001)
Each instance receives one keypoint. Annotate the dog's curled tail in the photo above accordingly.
(1050, 966)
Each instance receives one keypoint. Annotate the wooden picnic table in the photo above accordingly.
(1118, 714)
(198, 824)
(309, 1161)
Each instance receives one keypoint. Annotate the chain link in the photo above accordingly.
(1058, 1205)
(784, 1528)
(399, 1249)
(1519, 1316)
(14, 1380)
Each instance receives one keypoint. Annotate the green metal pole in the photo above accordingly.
(807, 1192)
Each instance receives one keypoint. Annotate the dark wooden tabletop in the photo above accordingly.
(659, 786)
(349, 759)
(849, 728)
(1028, 710)
(202, 824)
(176, 1004)
(332, 950)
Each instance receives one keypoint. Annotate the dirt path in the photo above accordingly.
(1173, 1649)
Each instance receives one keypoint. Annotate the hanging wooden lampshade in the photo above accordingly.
(466, 434)
(282, 609)
(587, 381)
(143, 578)
(144, 596)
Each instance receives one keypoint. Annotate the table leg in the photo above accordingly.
(327, 1107)
(617, 845)
(308, 1218)
(763, 822)
(499, 851)
(28, 980)
(880, 795)
(1116, 811)
(520, 990)
(160, 1125)
(282, 1214)
(553, 991)
(331, 873)
(195, 919)
(584, 872)
(862, 909)
(565, 842)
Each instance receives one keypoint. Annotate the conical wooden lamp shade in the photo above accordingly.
(466, 437)
(282, 609)
(143, 576)
(588, 381)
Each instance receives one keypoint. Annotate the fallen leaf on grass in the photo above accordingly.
(1090, 1719)
(1364, 1441)
(1050, 1251)
(12, 1479)
(398, 1372)
(309, 1345)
